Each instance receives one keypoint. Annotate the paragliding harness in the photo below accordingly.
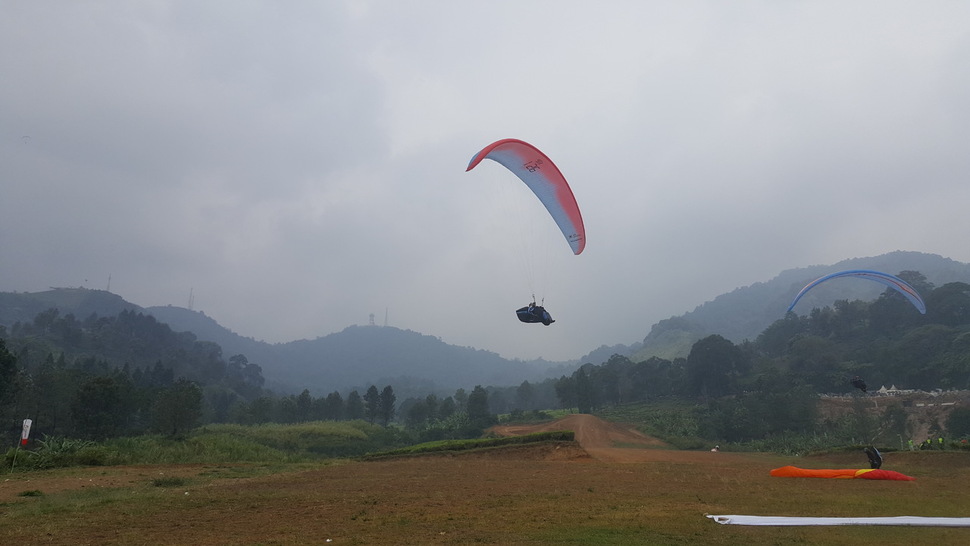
(533, 313)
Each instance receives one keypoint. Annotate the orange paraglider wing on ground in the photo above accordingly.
(840, 473)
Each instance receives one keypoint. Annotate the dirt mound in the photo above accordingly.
(546, 451)
(603, 440)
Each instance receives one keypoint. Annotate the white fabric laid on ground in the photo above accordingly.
(791, 521)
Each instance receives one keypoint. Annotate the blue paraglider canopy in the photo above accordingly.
(891, 281)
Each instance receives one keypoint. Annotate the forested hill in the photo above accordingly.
(356, 357)
(80, 302)
(362, 355)
(745, 312)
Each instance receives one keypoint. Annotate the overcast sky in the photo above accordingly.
(298, 166)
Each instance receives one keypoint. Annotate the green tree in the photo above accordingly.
(219, 400)
(178, 408)
(585, 392)
(447, 408)
(45, 320)
(524, 396)
(333, 406)
(304, 406)
(813, 358)
(372, 404)
(775, 339)
(260, 410)
(52, 391)
(97, 408)
(433, 404)
(478, 413)
(8, 369)
(566, 391)
(774, 406)
(949, 304)
(355, 406)
(892, 313)
(714, 366)
(244, 377)
(386, 405)
(461, 400)
(417, 414)
(917, 355)
(612, 380)
(658, 377)
(848, 320)
(286, 410)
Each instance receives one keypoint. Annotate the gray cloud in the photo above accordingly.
(300, 166)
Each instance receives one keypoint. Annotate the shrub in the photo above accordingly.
(169, 481)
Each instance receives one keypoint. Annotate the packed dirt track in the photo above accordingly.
(612, 486)
(609, 442)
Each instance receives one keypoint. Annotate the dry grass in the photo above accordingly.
(550, 494)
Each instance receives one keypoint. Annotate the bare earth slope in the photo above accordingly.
(611, 442)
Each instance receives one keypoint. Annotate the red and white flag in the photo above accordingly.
(26, 432)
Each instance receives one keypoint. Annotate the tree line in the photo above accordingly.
(129, 374)
(770, 385)
(145, 378)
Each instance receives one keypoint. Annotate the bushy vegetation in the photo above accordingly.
(475, 444)
(273, 443)
(54, 452)
(673, 420)
(315, 440)
(687, 425)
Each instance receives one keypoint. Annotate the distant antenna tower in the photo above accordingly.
(385, 317)
(108, 289)
(191, 298)
(372, 319)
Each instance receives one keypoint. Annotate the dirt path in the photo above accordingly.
(611, 442)
(603, 440)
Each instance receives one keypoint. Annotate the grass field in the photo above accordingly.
(551, 493)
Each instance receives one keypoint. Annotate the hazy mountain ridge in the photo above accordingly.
(360, 356)
(745, 312)
(388, 353)
(81, 302)
(207, 329)
(356, 357)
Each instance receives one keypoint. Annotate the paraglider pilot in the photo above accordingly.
(533, 313)
(875, 458)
